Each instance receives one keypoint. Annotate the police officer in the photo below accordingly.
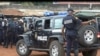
(13, 25)
(1, 32)
(70, 25)
(5, 30)
(19, 29)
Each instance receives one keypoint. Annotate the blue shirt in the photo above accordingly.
(71, 24)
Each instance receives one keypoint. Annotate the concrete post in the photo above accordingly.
(69, 5)
(90, 7)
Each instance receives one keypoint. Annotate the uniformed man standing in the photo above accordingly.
(5, 34)
(1, 32)
(70, 25)
(19, 29)
(13, 26)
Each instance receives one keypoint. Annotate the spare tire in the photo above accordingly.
(87, 35)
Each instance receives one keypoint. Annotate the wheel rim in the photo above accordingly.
(22, 48)
(54, 50)
(88, 36)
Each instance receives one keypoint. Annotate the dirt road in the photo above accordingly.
(12, 52)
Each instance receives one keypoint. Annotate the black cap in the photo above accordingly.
(70, 9)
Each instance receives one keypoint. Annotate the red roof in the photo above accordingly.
(14, 12)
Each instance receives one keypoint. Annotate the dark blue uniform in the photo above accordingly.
(70, 23)
(1, 32)
(13, 31)
(20, 30)
(6, 38)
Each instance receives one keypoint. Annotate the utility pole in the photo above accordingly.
(69, 5)
(90, 7)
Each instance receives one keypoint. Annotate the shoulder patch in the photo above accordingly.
(68, 21)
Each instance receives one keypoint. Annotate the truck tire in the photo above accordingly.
(90, 53)
(56, 49)
(87, 35)
(22, 48)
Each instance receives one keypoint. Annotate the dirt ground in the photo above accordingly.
(12, 52)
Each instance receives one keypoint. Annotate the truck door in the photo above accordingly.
(40, 37)
(98, 26)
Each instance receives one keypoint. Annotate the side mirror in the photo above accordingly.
(39, 28)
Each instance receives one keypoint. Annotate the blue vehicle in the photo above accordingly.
(47, 36)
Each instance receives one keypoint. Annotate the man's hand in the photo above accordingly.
(88, 22)
(63, 34)
(64, 39)
(93, 20)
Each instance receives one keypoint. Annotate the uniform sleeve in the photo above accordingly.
(77, 21)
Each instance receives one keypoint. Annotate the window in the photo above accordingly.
(47, 24)
(58, 23)
(98, 23)
(38, 24)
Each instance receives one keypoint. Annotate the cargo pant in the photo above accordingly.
(72, 42)
(6, 39)
(1, 36)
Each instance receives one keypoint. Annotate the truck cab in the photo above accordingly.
(47, 36)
